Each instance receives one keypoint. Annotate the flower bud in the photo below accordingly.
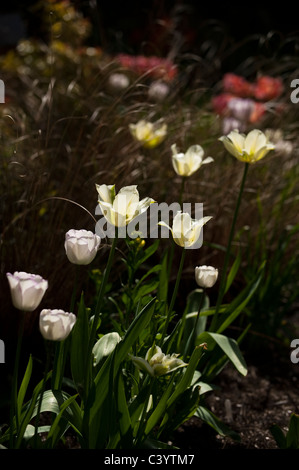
(27, 290)
(81, 246)
(156, 363)
(206, 276)
(56, 325)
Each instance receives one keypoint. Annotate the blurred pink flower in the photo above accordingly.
(156, 67)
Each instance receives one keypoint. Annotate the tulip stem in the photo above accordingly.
(227, 253)
(192, 338)
(174, 294)
(14, 395)
(98, 308)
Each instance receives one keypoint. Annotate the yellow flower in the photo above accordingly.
(148, 134)
(185, 230)
(185, 164)
(250, 148)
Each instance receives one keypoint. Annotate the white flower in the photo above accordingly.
(27, 290)
(185, 230)
(241, 108)
(185, 164)
(250, 148)
(118, 81)
(157, 363)
(56, 325)
(148, 133)
(123, 207)
(81, 246)
(158, 91)
(206, 276)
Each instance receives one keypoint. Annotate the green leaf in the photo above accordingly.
(124, 433)
(182, 410)
(160, 408)
(79, 348)
(24, 386)
(208, 417)
(101, 389)
(194, 324)
(104, 346)
(279, 436)
(59, 426)
(187, 376)
(292, 437)
(228, 345)
(27, 412)
(148, 252)
(240, 302)
(233, 272)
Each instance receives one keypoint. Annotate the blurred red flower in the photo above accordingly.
(237, 85)
(267, 88)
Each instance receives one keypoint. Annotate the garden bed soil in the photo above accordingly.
(248, 405)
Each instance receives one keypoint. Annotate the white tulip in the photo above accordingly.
(27, 290)
(250, 148)
(123, 207)
(206, 276)
(185, 230)
(185, 164)
(56, 325)
(81, 246)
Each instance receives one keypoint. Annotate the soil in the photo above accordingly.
(248, 405)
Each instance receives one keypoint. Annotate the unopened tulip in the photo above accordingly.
(250, 148)
(56, 325)
(156, 363)
(185, 230)
(119, 209)
(206, 276)
(27, 290)
(185, 164)
(81, 246)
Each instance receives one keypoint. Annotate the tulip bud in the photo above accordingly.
(81, 246)
(206, 276)
(156, 363)
(56, 325)
(27, 290)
